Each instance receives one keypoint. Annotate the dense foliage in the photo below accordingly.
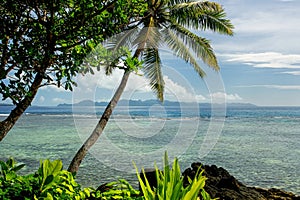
(51, 182)
(44, 43)
(165, 23)
(170, 184)
(172, 24)
(50, 39)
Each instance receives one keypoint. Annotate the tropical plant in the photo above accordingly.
(165, 22)
(44, 42)
(119, 190)
(52, 182)
(49, 182)
(11, 184)
(170, 184)
(55, 183)
(9, 169)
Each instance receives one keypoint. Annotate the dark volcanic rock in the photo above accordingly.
(220, 184)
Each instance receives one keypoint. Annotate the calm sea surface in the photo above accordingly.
(260, 146)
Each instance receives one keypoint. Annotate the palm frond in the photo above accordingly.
(171, 3)
(121, 40)
(152, 71)
(181, 50)
(200, 46)
(148, 37)
(204, 5)
(202, 16)
(110, 53)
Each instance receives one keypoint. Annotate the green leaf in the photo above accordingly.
(49, 179)
(3, 166)
(148, 193)
(49, 196)
(10, 162)
(152, 71)
(49, 170)
(170, 184)
(18, 167)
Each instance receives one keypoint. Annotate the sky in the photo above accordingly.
(260, 64)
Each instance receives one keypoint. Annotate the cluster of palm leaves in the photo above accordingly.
(170, 184)
(170, 23)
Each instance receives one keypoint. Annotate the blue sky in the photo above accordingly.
(260, 64)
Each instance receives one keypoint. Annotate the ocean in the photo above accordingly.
(260, 146)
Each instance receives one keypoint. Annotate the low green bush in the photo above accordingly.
(119, 190)
(51, 182)
(170, 184)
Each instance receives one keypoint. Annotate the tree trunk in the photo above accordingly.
(7, 124)
(81, 153)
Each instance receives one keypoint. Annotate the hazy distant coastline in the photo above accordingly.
(151, 103)
(5, 104)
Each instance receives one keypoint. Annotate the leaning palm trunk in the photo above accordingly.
(81, 153)
(7, 124)
(166, 22)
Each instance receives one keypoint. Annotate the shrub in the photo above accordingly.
(118, 190)
(51, 182)
(170, 184)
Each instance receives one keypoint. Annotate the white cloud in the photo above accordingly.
(41, 99)
(281, 87)
(266, 60)
(265, 22)
(54, 88)
(6, 101)
(285, 87)
(137, 84)
(59, 100)
(200, 98)
(261, 26)
(177, 92)
(221, 97)
(295, 73)
(258, 16)
(88, 83)
(233, 97)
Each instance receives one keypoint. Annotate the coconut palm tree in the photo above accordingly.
(166, 22)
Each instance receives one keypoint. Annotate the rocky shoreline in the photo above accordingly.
(220, 184)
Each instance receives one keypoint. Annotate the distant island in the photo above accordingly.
(152, 102)
(5, 104)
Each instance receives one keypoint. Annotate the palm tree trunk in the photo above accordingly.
(81, 153)
(7, 124)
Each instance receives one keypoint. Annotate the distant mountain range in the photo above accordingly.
(5, 104)
(152, 102)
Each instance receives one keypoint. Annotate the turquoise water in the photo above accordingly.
(260, 146)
